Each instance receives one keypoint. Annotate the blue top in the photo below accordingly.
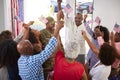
(92, 59)
(30, 66)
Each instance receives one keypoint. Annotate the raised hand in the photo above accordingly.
(59, 1)
(60, 15)
(85, 17)
(83, 33)
(26, 26)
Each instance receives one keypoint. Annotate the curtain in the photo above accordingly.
(17, 15)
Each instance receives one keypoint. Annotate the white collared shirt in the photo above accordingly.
(72, 32)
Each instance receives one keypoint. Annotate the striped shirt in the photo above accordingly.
(91, 58)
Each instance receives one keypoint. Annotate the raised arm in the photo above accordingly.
(112, 37)
(87, 27)
(26, 31)
(52, 44)
(91, 45)
(59, 4)
(59, 25)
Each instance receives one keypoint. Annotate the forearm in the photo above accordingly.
(19, 37)
(26, 34)
(88, 29)
(49, 48)
(59, 4)
(92, 46)
(56, 33)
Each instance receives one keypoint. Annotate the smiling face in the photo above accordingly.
(78, 19)
(97, 33)
(51, 25)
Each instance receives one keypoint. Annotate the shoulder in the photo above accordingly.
(79, 66)
(101, 72)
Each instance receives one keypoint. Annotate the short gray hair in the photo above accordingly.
(72, 49)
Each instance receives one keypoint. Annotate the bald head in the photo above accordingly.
(25, 47)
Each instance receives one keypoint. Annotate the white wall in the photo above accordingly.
(5, 15)
(1, 15)
(108, 11)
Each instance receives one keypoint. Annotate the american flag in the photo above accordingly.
(90, 21)
(68, 8)
(91, 8)
(116, 27)
(17, 16)
(78, 5)
(43, 19)
(14, 14)
(97, 20)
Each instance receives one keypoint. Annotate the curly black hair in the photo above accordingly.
(107, 54)
(5, 35)
(105, 31)
(8, 53)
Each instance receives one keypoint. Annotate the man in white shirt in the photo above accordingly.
(73, 32)
(73, 29)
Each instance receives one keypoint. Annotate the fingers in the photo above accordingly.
(85, 16)
(60, 15)
(26, 26)
(59, 1)
(83, 33)
(60, 24)
(30, 23)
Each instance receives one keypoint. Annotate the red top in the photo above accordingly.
(67, 71)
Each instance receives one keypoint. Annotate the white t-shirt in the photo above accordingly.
(4, 73)
(100, 71)
(72, 32)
